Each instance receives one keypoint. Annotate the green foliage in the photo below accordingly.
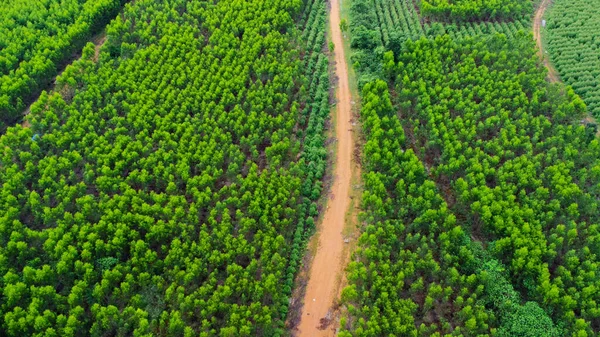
(498, 142)
(397, 16)
(460, 30)
(173, 183)
(409, 275)
(106, 263)
(365, 37)
(36, 39)
(528, 321)
(514, 319)
(344, 25)
(389, 23)
(574, 47)
(469, 10)
(412, 247)
(512, 152)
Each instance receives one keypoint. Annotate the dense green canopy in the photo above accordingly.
(36, 39)
(173, 182)
(574, 47)
(513, 157)
(470, 10)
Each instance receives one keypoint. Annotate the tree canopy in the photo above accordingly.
(37, 38)
(173, 181)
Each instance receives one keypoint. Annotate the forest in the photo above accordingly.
(166, 166)
(469, 10)
(399, 20)
(574, 48)
(481, 187)
(36, 39)
(168, 187)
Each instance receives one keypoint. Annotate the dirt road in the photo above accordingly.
(328, 264)
(537, 23)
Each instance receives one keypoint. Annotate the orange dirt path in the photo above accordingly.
(328, 264)
(537, 23)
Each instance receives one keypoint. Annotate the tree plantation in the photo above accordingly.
(573, 46)
(36, 39)
(165, 164)
(480, 197)
(495, 149)
(168, 189)
(466, 10)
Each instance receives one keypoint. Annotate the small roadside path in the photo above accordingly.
(537, 24)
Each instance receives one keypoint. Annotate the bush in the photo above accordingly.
(528, 320)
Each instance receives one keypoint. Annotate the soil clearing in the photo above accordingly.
(328, 265)
(537, 23)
